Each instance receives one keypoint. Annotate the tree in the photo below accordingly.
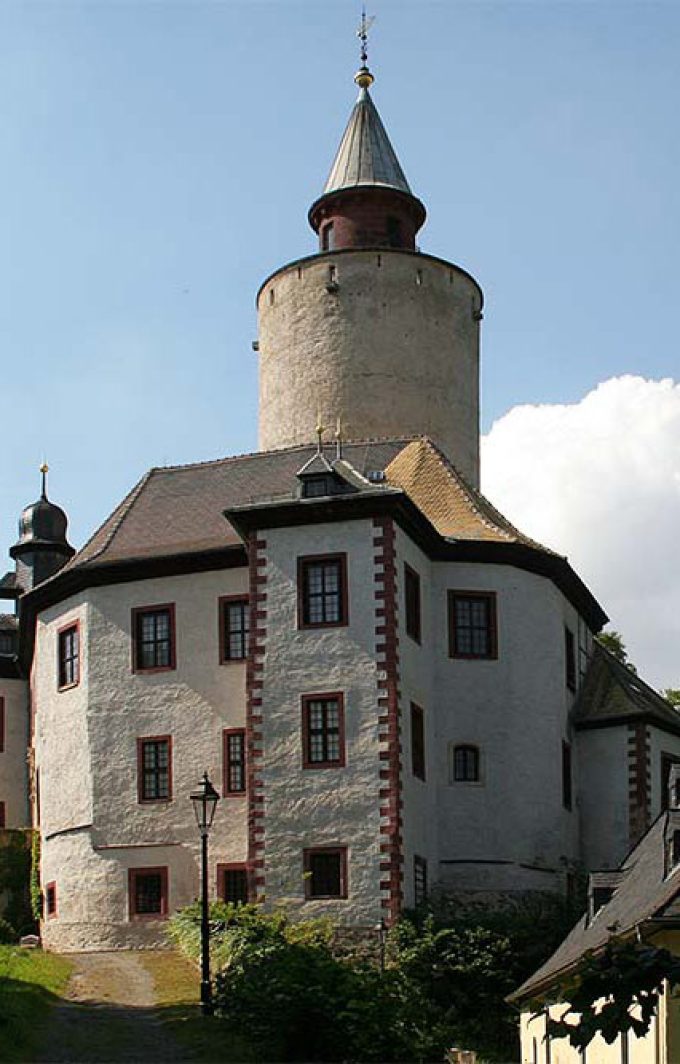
(613, 642)
(672, 695)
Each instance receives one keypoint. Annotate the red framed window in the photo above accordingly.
(417, 741)
(466, 764)
(68, 656)
(3, 816)
(154, 768)
(322, 591)
(419, 880)
(412, 596)
(153, 638)
(232, 883)
(569, 659)
(234, 761)
(2, 724)
(148, 893)
(323, 730)
(325, 872)
(472, 624)
(234, 628)
(51, 900)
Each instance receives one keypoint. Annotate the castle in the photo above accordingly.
(393, 689)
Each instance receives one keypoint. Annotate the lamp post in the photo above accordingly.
(204, 800)
(381, 928)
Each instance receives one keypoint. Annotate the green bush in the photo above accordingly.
(286, 987)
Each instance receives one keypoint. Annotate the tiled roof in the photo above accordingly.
(645, 893)
(179, 509)
(455, 509)
(611, 692)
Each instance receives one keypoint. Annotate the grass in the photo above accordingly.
(30, 983)
(206, 1039)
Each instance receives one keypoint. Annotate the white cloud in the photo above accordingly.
(599, 481)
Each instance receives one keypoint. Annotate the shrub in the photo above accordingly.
(7, 933)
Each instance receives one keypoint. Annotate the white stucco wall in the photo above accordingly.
(13, 764)
(333, 806)
(92, 824)
(603, 812)
(644, 1050)
(515, 709)
(417, 685)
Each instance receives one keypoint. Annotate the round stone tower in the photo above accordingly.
(369, 330)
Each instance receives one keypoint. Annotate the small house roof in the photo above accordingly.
(612, 694)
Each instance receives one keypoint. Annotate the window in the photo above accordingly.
(2, 724)
(326, 872)
(68, 640)
(465, 764)
(412, 595)
(234, 761)
(3, 819)
(419, 880)
(667, 762)
(569, 659)
(232, 883)
(472, 624)
(394, 232)
(322, 591)
(316, 487)
(51, 899)
(153, 638)
(675, 849)
(234, 628)
(328, 237)
(8, 642)
(417, 741)
(148, 893)
(566, 775)
(323, 731)
(154, 769)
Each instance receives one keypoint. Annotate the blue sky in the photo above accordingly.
(158, 160)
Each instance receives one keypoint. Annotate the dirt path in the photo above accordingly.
(109, 1014)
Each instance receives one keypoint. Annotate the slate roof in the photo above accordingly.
(645, 894)
(365, 156)
(179, 509)
(611, 694)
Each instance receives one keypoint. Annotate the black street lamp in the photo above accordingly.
(205, 800)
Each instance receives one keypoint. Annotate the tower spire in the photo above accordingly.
(44, 470)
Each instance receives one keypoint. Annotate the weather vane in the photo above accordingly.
(362, 33)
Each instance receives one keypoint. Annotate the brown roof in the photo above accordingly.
(457, 510)
(645, 893)
(611, 693)
(179, 509)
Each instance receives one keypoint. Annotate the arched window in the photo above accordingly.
(465, 764)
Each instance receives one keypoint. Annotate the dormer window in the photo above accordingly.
(317, 486)
(601, 896)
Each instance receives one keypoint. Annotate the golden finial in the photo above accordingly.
(363, 76)
(320, 429)
(44, 469)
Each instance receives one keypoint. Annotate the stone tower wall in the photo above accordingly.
(388, 340)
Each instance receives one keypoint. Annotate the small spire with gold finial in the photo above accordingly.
(44, 470)
(320, 429)
(363, 76)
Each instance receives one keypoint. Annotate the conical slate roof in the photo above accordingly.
(365, 155)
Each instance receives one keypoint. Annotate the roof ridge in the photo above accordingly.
(634, 677)
(280, 450)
